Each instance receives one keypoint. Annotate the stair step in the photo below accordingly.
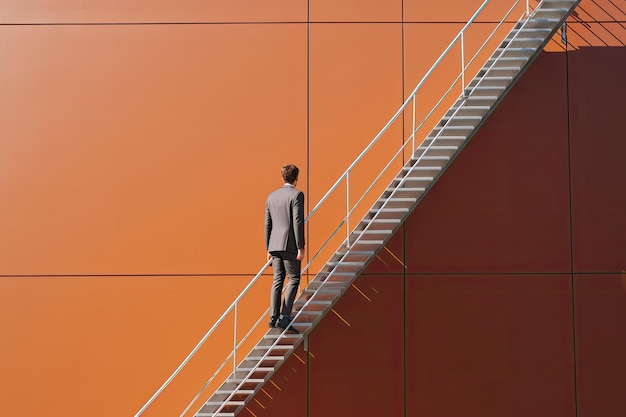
(301, 324)
(446, 137)
(545, 20)
(487, 87)
(437, 148)
(491, 98)
(327, 284)
(371, 232)
(357, 253)
(542, 10)
(343, 274)
(399, 199)
(200, 414)
(347, 263)
(406, 189)
(527, 29)
(381, 221)
(453, 109)
(525, 50)
(464, 127)
(388, 210)
(237, 392)
(506, 58)
(323, 290)
(288, 337)
(311, 312)
(247, 380)
(492, 78)
(255, 370)
(369, 242)
(462, 117)
(513, 69)
(267, 358)
(419, 168)
(227, 403)
(312, 302)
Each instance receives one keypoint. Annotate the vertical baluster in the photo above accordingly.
(463, 63)
(348, 209)
(413, 130)
(235, 342)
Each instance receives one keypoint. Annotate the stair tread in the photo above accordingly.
(236, 392)
(439, 147)
(409, 189)
(228, 402)
(247, 380)
(312, 302)
(201, 414)
(266, 358)
(401, 199)
(497, 78)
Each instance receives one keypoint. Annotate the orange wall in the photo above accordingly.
(139, 140)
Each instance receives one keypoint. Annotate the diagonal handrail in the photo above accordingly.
(411, 99)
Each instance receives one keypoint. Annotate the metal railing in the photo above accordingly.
(411, 100)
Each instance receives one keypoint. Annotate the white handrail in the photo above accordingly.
(344, 176)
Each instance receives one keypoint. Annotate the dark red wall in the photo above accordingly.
(504, 293)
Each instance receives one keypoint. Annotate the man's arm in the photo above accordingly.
(298, 223)
(268, 229)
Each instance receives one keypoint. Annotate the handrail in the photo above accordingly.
(399, 112)
(349, 211)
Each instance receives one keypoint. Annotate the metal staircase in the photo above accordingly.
(434, 152)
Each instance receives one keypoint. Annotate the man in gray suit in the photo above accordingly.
(284, 241)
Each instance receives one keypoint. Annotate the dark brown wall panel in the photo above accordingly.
(503, 205)
(351, 372)
(598, 169)
(600, 313)
(129, 149)
(489, 346)
(152, 11)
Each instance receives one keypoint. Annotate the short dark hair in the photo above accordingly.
(290, 173)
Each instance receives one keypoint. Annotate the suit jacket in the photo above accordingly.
(284, 220)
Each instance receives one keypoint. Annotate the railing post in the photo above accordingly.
(463, 63)
(235, 343)
(348, 209)
(527, 8)
(413, 130)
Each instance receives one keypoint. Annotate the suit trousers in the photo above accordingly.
(284, 264)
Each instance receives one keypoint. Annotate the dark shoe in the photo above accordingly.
(273, 321)
(285, 324)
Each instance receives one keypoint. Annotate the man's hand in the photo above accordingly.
(269, 256)
(300, 255)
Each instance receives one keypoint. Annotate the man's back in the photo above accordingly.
(284, 220)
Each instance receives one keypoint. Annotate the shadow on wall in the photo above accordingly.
(597, 24)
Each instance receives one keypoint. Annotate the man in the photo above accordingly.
(284, 241)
